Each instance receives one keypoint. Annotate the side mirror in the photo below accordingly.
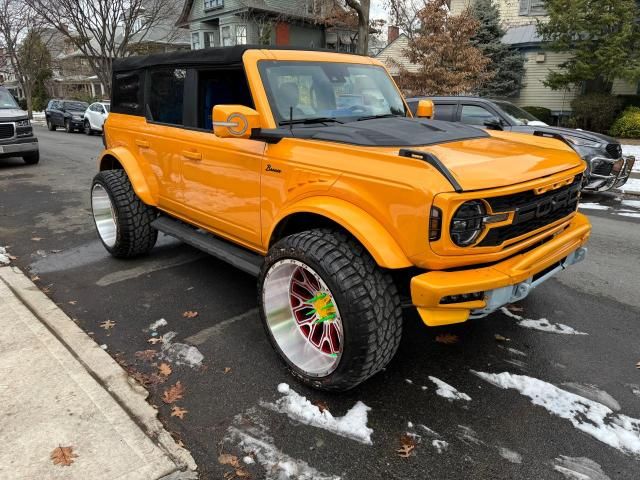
(425, 109)
(493, 123)
(234, 121)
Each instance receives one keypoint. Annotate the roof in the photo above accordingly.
(204, 56)
(522, 35)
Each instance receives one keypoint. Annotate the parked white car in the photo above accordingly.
(95, 116)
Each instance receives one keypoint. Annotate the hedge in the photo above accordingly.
(541, 113)
(627, 125)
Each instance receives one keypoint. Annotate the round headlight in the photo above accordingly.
(467, 223)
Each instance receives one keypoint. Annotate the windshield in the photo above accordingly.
(7, 100)
(76, 106)
(320, 92)
(517, 115)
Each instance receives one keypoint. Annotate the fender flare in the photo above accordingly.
(143, 184)
(366, 229)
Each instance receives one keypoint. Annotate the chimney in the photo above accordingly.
(393, 32)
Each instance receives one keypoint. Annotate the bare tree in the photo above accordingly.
(362, 9)
(405, 14)
(103, 29)
(22, 43)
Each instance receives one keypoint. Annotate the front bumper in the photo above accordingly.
(619, 175)
(18, 147)
(501, 283)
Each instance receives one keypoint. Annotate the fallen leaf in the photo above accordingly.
(226, 370)
(514, 308)
(63, 456)
(500, 338)
(405, 450)
(638, 365)
(228, 459)
(108, 324)
(164, 369)
(72, 302)
(190, 314)
(154, 340)
(322, 406)
(146, 355)
(36, 239)
(179, 412)
(173, 393)
(242, 473)
(447, 338)
(47, 289)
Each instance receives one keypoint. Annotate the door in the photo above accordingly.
(476, 115)
(57, 114)
(99, 116)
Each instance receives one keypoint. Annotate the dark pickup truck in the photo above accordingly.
(607, 168)
(16, 133)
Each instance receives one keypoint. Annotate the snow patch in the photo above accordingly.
(447, 391)
(468, 435)
(510, 455)
(632, 185)
(440, 445)
(593, 393)
(614, 429)
(516, 352)
(4, 256)
(543, 324)
(433, 433)
(409, 381)
(627, 214)
(353, 425)
(277, 465)
(579, 468)
(409, 425)
(156, 325)
(593, 206)
(633, 150)
(180, 353)
(248, 460)
(631, 203)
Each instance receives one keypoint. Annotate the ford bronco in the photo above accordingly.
(308, 170)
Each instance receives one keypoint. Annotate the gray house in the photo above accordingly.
(300, 23)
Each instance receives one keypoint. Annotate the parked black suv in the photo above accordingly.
(65, 113)
(606, 167)
(16, 134)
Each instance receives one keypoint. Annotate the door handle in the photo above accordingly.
(197, 156)
(142, 143)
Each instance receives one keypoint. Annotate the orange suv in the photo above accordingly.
(307, 169)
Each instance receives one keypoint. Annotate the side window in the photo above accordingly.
(166, 95)
(127, 92)
(445, 112)
(475, 115)
(220, 87)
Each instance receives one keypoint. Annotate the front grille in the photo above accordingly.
(6, 130)
(532, 211)
(614, 150)
(604, 168)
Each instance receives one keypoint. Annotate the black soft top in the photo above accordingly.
(204, 56)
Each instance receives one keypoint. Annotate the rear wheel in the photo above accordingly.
(31, 158)
(122, 220)
(50, 125)
(329, 311)
(87, 128)
(67, 126)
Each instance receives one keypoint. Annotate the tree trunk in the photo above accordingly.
(363, 28)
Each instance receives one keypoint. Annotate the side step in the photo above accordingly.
(245, 260)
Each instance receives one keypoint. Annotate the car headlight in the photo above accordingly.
(581, 142)
(23, 123)
(467, 223)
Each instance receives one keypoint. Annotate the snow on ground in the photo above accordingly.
(614, 429)
(635, 151)
(632, 185)
(510, 455)
(629, 214)
(447, 391)
(353, 425)
(440, 445)
(579, 468)
(593, 206)
(180, 353)
(631, 203)
(543, 324)
(4, 256)
(156, 325)
(277, 465)
(38, 118)
(593, 393)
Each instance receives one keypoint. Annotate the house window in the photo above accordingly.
(210, 39)
(532, 8)
(195, 41)
(211, 4)
(241, 34)
(225, 36)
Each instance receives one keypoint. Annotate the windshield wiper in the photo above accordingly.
(307, 121)
(372, 117)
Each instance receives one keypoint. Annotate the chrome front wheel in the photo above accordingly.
(104, 215)
(303, 317)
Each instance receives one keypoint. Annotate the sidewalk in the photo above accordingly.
(59, 389)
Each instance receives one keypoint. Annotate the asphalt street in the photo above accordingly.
(533, 428)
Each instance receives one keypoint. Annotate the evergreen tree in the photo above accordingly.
(507, 63)
(603, 37)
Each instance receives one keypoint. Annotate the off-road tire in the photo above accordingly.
(31, 158)
(365, 294)
(135, 236)
(87, 128)
(50, 125)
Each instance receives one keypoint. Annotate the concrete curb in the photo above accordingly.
(129, 395)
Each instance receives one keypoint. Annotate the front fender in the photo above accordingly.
(144, 183)
(369, 232)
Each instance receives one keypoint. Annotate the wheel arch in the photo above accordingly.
(323, 212)
(119, 158)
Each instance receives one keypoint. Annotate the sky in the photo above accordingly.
(377, 10)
